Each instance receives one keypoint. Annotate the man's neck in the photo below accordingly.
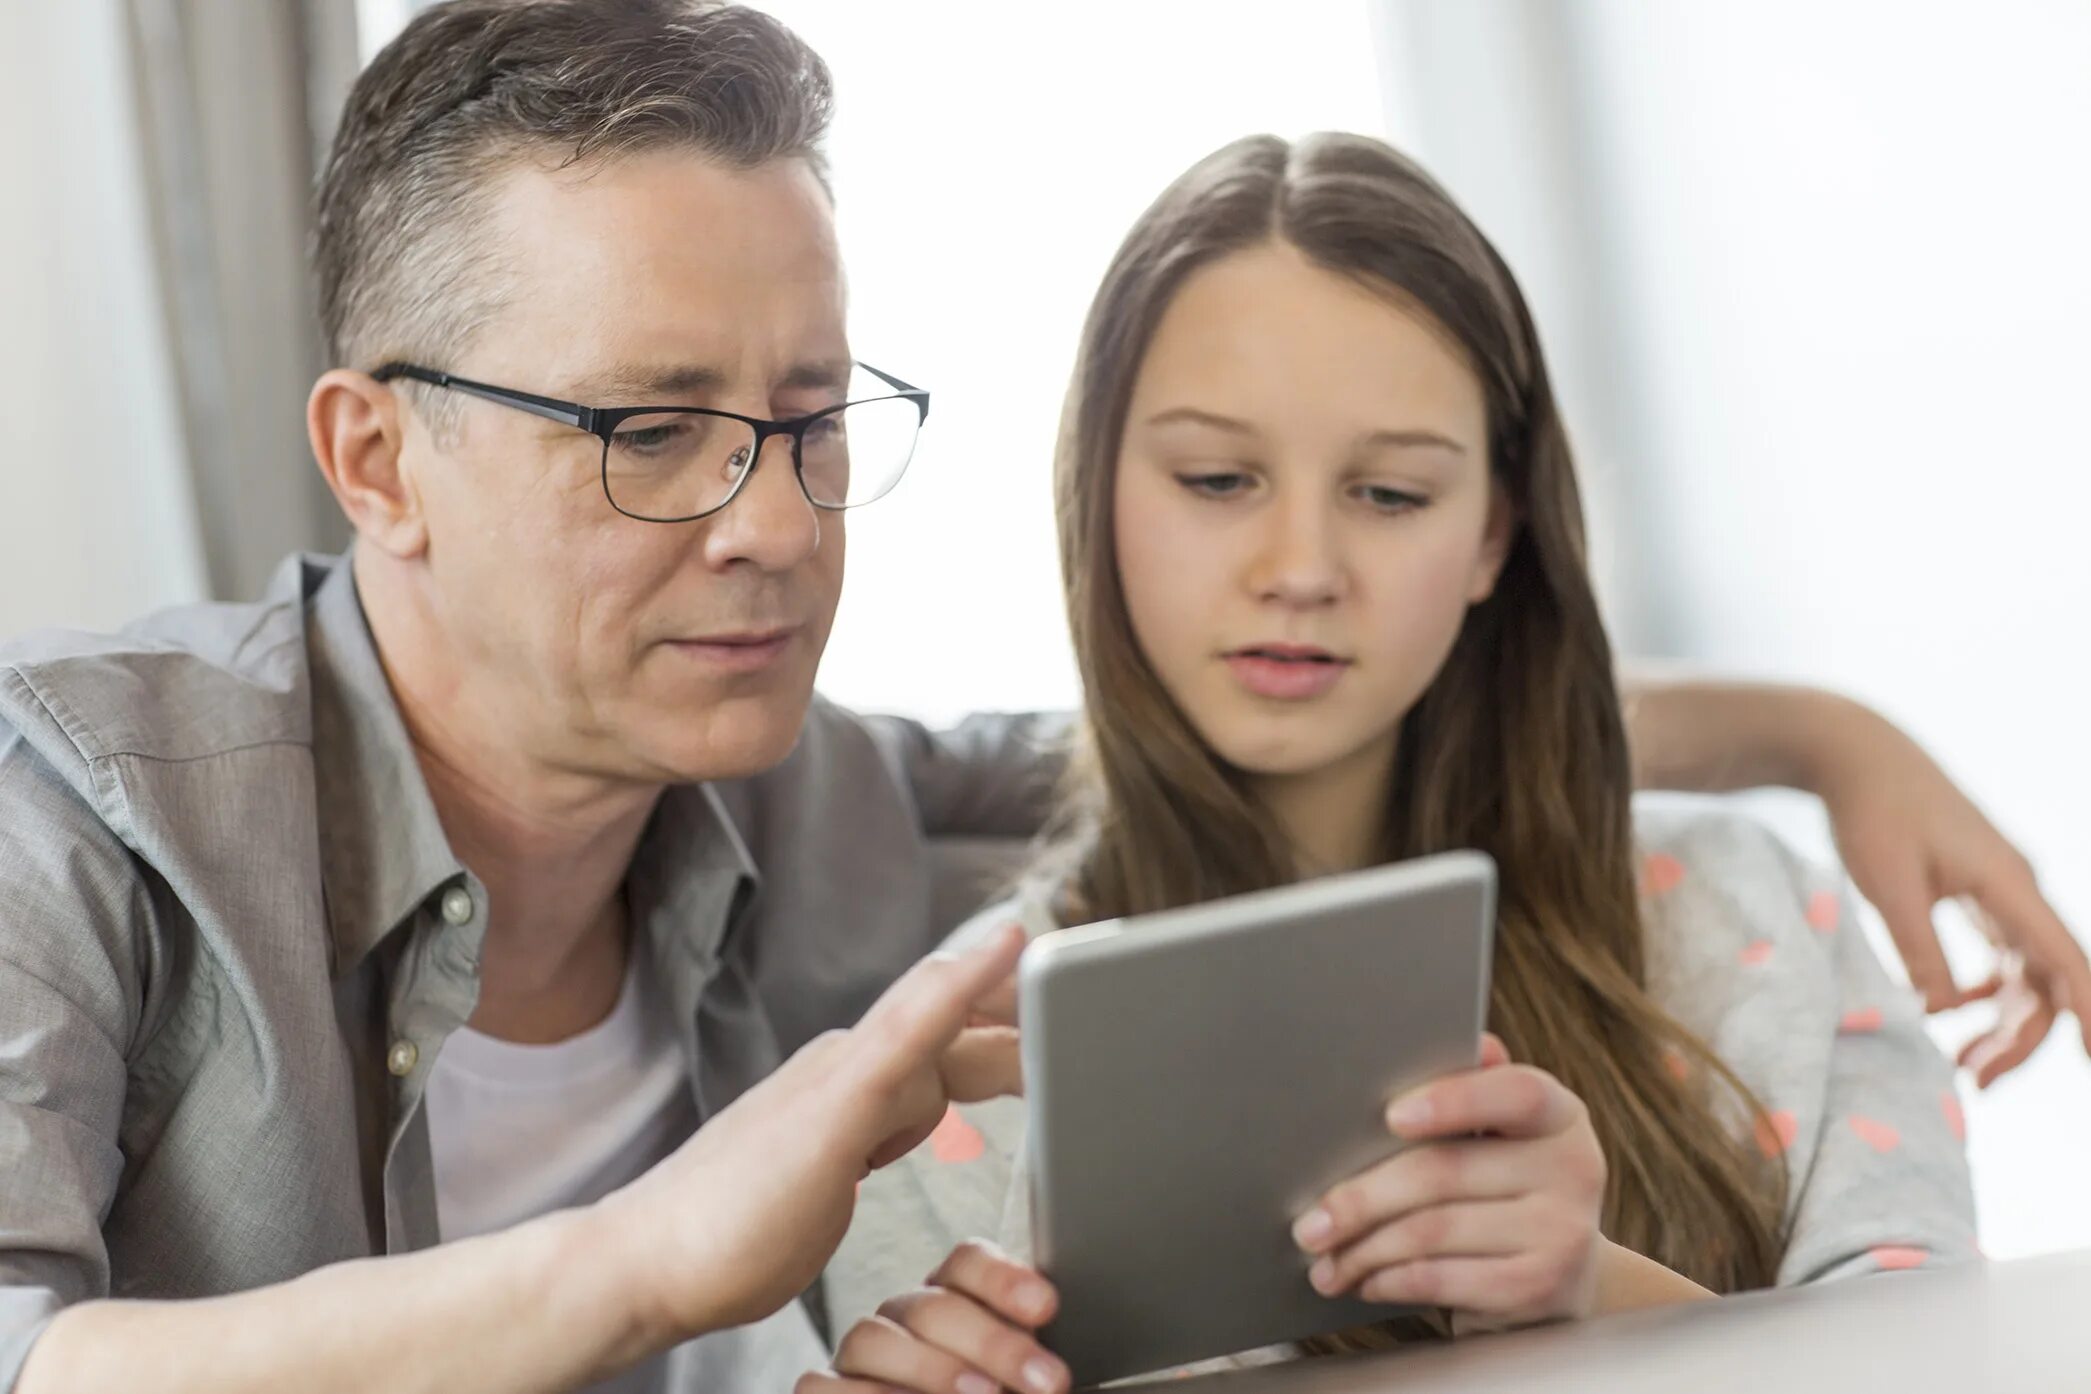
(552, 847)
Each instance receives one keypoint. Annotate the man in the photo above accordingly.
(442, 894)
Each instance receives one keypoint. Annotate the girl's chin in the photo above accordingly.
(1285, 759)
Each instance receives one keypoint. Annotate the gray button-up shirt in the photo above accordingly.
(233, 937)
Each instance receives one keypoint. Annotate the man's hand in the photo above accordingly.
(1910, 839)
(743, 1216)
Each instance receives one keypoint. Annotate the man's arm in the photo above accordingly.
(1710, 736)
(728, 1229)
(535, 1308)
(990, 776)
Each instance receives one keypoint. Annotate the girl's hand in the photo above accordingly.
(969, 1330)
(1502, 1228)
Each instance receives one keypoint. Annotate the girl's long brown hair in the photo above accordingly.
(1516, 748)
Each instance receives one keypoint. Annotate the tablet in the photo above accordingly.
(1197, 1078)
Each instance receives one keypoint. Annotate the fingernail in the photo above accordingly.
(1410, 1115)
(1322, 1275)
(973, 1383)
(1042, 1374)
(1313, 1229)
(1034, 1298)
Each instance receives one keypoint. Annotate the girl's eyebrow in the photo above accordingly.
(1197, 416)
(1405, 439)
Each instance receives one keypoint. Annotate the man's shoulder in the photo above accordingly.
(839, 754)
(185, 683)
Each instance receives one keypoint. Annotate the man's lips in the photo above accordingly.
(742, 651)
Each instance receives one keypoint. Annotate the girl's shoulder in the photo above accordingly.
(1709, 870)
(1757, 949)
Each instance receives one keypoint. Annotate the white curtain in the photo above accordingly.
(97, 520)
(158, 336)
(233, 102)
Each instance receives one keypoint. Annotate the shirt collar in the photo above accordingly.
(382, 847)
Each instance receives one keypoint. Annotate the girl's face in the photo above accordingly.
(1304, 510)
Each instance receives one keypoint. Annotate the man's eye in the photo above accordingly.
(648, 438)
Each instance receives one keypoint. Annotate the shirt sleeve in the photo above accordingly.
(70, 1001)
(1887, 1186)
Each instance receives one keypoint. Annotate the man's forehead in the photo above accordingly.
(664, 274)
(637, 227)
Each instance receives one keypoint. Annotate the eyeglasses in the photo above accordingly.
(679, 464)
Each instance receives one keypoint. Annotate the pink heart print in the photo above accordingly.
(1661, 874)
(1896, 1257)
(1881, 1137)
(1956, 1116)
(955, 1140)
(1776, 1131)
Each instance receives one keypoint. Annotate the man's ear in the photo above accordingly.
(358, 432)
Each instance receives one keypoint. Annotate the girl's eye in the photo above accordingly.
(1389, 500)
(1217, 484)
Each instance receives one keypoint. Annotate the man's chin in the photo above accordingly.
(734, 740)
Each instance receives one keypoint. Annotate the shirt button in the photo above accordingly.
(402, 1058)
(457, 906)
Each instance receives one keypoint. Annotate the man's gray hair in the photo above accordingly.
(472, 86)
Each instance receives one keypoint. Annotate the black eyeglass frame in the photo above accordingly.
(602, 423)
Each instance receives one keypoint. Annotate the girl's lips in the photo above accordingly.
(1271, 671)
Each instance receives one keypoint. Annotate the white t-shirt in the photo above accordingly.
(519, 1131)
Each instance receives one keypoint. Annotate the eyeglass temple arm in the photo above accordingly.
(895, 383)
(551, 408)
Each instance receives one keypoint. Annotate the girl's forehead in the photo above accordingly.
(1268, 309)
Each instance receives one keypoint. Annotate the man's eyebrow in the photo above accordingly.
(829, 373)
(635, 381)
(642, 384)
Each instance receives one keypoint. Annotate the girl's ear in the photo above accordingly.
(1495, 544)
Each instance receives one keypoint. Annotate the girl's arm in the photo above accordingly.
(1627, 1282)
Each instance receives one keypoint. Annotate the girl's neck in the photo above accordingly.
(1333, 818)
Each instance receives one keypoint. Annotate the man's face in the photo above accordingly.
(601, 644)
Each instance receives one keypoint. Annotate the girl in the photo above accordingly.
(1324, 560)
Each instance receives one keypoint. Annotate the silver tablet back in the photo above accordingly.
(1197, 1078)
